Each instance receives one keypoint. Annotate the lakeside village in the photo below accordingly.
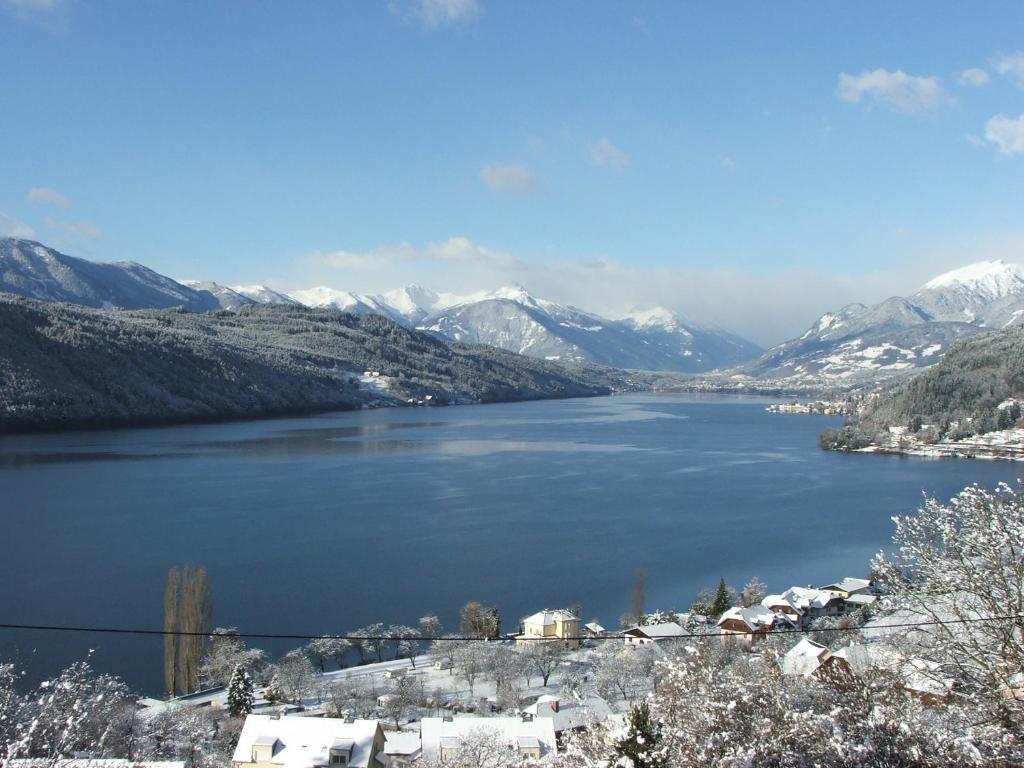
(523, 695)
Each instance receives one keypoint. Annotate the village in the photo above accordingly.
(527, 693)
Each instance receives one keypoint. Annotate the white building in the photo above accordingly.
(653, 633)
(268, 741)
(529, 737)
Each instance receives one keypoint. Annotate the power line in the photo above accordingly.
(464, 638)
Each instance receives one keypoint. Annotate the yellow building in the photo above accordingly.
(551, 625)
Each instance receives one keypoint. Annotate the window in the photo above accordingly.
(338, 759)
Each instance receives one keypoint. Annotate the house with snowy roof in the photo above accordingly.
(804, 605)
(805, 658)
(646, 634)
(268, 741)
(921, 678)
(570, 715)
(749, 624)
(849, 586)
(551, 626)
(526, 736)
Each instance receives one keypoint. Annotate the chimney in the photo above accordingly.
(554, 705)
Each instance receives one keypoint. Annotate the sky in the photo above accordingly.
(750, 165)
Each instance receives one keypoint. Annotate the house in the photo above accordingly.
(571, 715)
(402, 747)
(805, 658)
(551, 626)
(804, 605)
(653, 633)
(527, 736)
(267, 741)
(849, 586)
(749, 624)
(593, 629)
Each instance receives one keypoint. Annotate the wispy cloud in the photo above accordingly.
(48, 196)
(455, 250)
(437, 14)
(604, 154)
(974, 77)
(13, 228)
(1007, 133)
(1011, 66)
(728, 163)
(510, 177)
(48, 14)
(898, 91)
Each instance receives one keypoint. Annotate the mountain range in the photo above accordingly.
(899, 335)
(509, 318)
(852, 345)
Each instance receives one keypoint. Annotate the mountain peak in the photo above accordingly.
(995, 279)
(654, 317)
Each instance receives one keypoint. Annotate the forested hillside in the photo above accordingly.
(69, 366)
(960, 396)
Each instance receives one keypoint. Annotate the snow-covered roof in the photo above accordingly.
(547, 618)
(917, 674)
(755, 617)
(435, 731)
(666, 630)
(594, 627)
(849, 584)
(861, 599)
(804, 658)
(404, 743)
(805, 598)
(304, 742)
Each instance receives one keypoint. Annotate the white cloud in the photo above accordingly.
(728, 163)
(455, 250)
(897, 90)
(509, 177)
(974, 77)
(437, 14)
(1007, 133)
(604, 154)
(1011, 66)
(13, 228)
(48, 196)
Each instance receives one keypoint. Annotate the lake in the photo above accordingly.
(328, 523)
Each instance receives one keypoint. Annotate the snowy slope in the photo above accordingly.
(987, 293)
(227, 298)
(32, 270)
(513, 319)
(261, 294)
(346, 301)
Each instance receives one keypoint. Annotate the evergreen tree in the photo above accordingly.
(722, 601)
(642, 743)
(240, 693)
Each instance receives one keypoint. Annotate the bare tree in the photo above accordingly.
(430, 626)
(172, 593)
(447, 648)
(543, 657)
(194, 617)
(753, 593)
(328, 648)
(639, 594)
(470, 663)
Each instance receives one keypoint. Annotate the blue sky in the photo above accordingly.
(748, 164)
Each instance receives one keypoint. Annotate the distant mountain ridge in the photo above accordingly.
(509, 318)
(900, 335)
(76, 366)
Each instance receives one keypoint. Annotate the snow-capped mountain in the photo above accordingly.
(30, 269)
(346, 301)
(261, 294)
(901, 334)
(709, 347)
(513, 319)
(227, 298)
(986, 293)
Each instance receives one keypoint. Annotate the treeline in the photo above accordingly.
(64, 366)
(957, 398)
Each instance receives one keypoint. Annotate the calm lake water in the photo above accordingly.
(328, 523)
